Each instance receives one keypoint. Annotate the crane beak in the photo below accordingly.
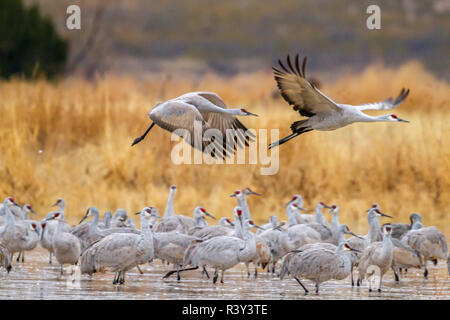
(252, 114)
(351, 249)
(303, 209)
(84, 218)
(32, 211)
(254, 225)
(55, 204)
(355, 235)
(384, 215)
(255, 193)
(233, 195)
(231, 223)
(209, 215)
(402, 120)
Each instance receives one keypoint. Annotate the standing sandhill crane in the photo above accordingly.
(183, 223)
(429, 243)
(222, 253)
(297, 236)
(400, 229)
(33, 232)
(66, 246)
(207, 111)
(263, 256)
(273, 223)
(323, 113)
(317, 264)
(119, 218)
(404, 257)
(13, 235)
(106, 220)
(325, 232)
(304, 218)
(48, 228)
(373, 235)
(5, 258)
(378, 255)
(121, 251)
(89, 232)
(241, 197)
(207, 232)
(334, 210)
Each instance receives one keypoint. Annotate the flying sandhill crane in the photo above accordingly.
(318, 264)
(209, 111)
(377, 257)
(323, 113)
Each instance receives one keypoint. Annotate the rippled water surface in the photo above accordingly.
(36, 279)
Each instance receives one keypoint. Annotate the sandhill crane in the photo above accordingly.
(61, 204)
(183, 223)
(241, 197)
(273, 223)
(374, 234)
(317, 264)
(13, 235)
(323, 113)
(322, 229)
(207, 110)
(296, 236)
(263, 256)
(377, 257)
(334, 210)
(119, 218)
(400, 229)
(207, 232)
(222, 253)
(429, 243)
(33, 232)
(319, 215)
(66, 246)
(5, 257)
(106, 220)
(121, 251)
(48, 228)
(89, 232)
(404, 257)
(169, 211)
(300, 217)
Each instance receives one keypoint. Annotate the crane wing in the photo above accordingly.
(299, 92)
(177, 114)
(389, 103)
(223, 122)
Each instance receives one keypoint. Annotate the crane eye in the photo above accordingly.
(203, 210)
(294, 198)
(148, 211)
(334, 207)
(56, 215)
(394, 116)
(243, 110)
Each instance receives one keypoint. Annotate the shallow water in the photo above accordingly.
(36, 279)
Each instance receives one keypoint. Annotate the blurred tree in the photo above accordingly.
(29, 43)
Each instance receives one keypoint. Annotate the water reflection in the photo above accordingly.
(36, 279)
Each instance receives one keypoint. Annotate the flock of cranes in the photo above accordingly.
(306, 246)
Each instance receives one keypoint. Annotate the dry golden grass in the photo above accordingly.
(86, 129)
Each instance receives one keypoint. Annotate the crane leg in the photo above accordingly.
(139, 269)
(62, 270)
(18, 256)
(116, 276)
(23, 256)
(206, 272)
(351, 275)
(425, 272)
(256, 271)
(216, 275)
(304, 288)
(50, 259)
(122, 278)
(221, 278)
(317, 288)
(139, 139)
(379, 285)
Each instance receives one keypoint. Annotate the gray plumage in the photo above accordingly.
(120, 251)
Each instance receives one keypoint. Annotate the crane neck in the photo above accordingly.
(242, 202)
(291, 216)
(169, 207)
